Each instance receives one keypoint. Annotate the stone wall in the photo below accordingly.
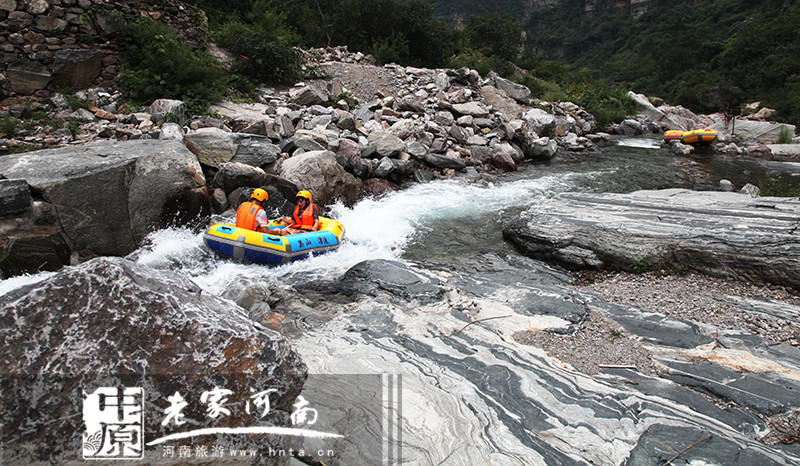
(50, 44)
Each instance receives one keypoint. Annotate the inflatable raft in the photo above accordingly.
(691, 137)
(263, 248)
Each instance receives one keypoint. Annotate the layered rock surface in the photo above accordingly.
(475, 393)
(720, 234)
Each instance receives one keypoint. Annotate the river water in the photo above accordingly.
(481, 397)
(443, 221)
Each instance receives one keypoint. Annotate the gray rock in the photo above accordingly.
(474, 109)
(172, 131)
(232, 175)
(108, 195)
(308, 95)
(77, 68)
(384, 169)
(122, 324)
(303, 142)
(680, 149)
(720, 234)
(376, 277)
(540, 122)
(265, 127)
(502, 103)
(444, 118)
(444, 161)
(83, 114)
(386, 144)
(320, 173)
(15, 197)
(257, 151)
(516, 91)
(167, 107)
(727, 186)
(212, 146)
(543, 148)
(27, 77)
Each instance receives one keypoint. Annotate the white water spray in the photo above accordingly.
(375, 229)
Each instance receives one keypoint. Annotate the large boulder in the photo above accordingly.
(502, 103)
(255, 150)
(27, 77)
(540, 122)
(234, 175)
(386, 144)
(212, 146)
(77, 68)
(105, 197)
(516, 91)
(728, 235)
(110, 322)
(320, 173)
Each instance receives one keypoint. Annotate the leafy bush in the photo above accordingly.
(9, 126)
(157, 64)
(784, 137)
(262, 59)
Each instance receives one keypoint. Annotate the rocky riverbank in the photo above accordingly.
(503, 358)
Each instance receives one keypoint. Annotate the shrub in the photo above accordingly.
(784, 137)
(777, 187)
(9, 126)
(157, 64)
(262, 58)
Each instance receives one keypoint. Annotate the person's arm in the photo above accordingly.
(316, 220)
(262, 224)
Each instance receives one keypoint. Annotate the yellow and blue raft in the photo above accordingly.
(262, 248)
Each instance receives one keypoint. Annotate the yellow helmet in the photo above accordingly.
(305, 194)
(260, 195)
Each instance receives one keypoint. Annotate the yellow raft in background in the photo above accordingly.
(263, 248)
(691, 137)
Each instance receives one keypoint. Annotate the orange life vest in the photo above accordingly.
(246, 215)
(304, 221)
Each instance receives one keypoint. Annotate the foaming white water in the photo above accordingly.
(374, 229)
(642, 143)
(22, 280)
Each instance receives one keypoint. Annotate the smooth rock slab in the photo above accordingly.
(727, 235)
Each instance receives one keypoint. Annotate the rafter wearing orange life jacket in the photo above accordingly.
(246, 215)
(305, 220)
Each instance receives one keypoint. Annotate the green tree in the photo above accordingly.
(495, 35)
(158, 64)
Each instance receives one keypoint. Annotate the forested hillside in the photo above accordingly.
(703, 54)
(700, 54)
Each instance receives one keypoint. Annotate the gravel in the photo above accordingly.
(599, 341)
(708, 300)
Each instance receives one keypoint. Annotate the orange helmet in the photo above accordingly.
(305, 194)
(259, 195)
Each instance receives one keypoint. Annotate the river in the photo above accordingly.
(480, 397)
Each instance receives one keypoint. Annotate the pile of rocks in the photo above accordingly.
(421, 125)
